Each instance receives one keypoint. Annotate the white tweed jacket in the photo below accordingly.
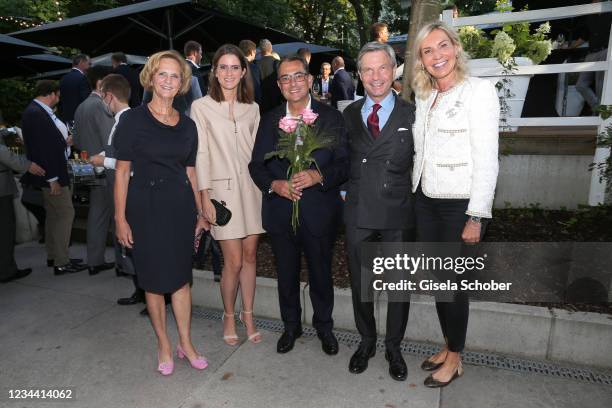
(456, 145)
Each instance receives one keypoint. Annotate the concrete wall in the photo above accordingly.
(553, 182)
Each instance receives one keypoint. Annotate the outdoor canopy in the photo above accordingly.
(150, 26)
(25, 58)
(13, 47)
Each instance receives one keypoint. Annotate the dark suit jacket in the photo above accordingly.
(342, 87)
(256, 76)
(320, 204)
(132, 77)
(202, 78)
(74, 89)
(45, 146)
(379, 189)
(270, 93)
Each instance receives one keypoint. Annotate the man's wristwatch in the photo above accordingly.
(475, 219)
(270, 191)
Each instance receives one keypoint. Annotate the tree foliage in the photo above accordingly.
(20, 14)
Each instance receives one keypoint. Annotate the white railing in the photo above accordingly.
(597, 190)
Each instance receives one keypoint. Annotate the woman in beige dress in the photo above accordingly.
(227, 121)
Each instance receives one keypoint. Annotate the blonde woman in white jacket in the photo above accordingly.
(455, 169)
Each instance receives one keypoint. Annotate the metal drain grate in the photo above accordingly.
(351, 340)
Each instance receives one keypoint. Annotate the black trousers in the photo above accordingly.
(7, 237)
(39, 213)
(207, 242)
(287, 248)
(397, 312)
(443, 220)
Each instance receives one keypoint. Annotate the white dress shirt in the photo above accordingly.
(110, 162)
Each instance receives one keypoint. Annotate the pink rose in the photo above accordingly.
(288, 124)
(308, 116)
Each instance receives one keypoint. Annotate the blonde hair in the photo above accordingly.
(423, 82)
(152, 66)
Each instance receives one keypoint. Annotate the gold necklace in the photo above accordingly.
(165, 118)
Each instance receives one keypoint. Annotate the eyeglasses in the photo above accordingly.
(230, 68)
(297, 77)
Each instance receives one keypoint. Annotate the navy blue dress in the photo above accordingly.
(160, 206)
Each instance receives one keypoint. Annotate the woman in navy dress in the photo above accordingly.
(156, 209)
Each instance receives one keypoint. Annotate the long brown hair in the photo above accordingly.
(245, 93)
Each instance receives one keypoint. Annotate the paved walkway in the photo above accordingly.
(68, 331)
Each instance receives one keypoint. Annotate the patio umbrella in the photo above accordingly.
(150, 26)
(292, 47)
(28, 65)
(12, 47)
(105, 60)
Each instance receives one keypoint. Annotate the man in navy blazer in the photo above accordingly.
(45, 138)
(121, 67)
(342, 87)
(320, 205)
(74, 87)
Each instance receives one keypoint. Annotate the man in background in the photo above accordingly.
(10, 162)
(121, 67)
(74, 87)
(92, 123)
(193, 55)
(270, 93)
(115, 92)
(342, 87)
(597, 33)
(249, 49)
(46, 141)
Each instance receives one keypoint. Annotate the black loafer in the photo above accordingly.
(94, 270)
(120, 273)
(329, 343)
(68, 268)
(137, 297)
(430, 365)
(287, 341)
(359, 360)
(397, 366)
(21, 273)
(74, 261)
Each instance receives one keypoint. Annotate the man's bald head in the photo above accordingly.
(337, 62)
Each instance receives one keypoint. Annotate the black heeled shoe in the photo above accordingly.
(431, 382)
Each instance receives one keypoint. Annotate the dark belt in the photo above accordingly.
(158, 181)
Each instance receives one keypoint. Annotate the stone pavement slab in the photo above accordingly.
(488, 387)
(256, 376)
(68, 331)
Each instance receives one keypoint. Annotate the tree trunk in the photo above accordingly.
(321, 30)
(422, 12)
(363, 30)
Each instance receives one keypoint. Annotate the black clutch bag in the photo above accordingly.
(223, 214)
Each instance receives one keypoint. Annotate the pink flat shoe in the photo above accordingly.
(166, 368)
(199, 363)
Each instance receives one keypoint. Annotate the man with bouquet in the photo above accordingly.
(299, 160)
